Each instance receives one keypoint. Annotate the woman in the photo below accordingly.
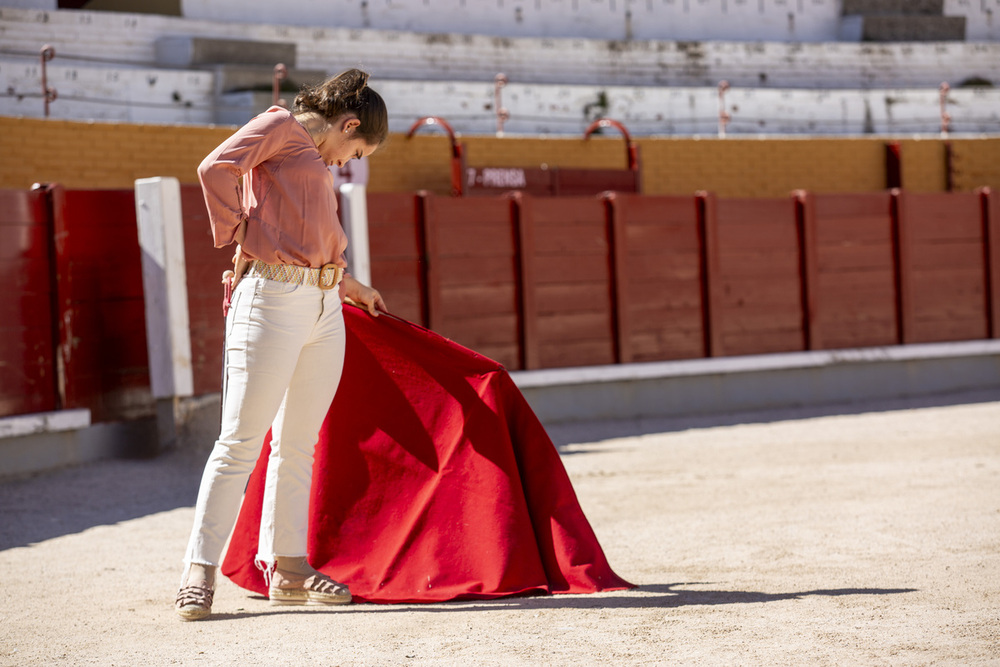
(285, 334)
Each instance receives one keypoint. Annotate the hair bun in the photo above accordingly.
(348, 92)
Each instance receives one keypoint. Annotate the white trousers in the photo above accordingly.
(284, 358)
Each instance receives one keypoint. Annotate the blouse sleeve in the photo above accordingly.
(220, 172)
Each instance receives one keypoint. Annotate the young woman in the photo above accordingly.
(284, 329)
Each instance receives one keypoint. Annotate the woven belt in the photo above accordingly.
(327, 277)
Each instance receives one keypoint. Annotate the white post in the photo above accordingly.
(354, 218)
(164, 282)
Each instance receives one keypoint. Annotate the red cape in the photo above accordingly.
(433, 481)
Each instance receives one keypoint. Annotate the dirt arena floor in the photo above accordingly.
(861, 539)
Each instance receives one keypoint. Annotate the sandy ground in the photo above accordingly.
(869, 539)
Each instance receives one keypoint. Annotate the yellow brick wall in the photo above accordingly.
(751, 167)
(924, 167)
(976, 162)
(100, 155)
(113, 155)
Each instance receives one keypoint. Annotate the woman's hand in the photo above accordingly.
(361, 294)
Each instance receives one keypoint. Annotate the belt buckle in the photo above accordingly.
(338, 273)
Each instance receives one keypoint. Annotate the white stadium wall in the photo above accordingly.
(729, 20)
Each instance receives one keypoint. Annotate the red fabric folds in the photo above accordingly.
(433, 480)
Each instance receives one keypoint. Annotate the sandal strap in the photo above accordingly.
(195, 594)
(318, 582)
(322, 584)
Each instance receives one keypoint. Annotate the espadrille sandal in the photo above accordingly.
(194, 602)
(316, 589)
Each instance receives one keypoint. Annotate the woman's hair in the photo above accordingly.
(348, 93)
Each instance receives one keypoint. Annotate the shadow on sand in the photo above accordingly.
(563, 435)
(74, 499)
(664, 596)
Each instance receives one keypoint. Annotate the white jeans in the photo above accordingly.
(284, 358)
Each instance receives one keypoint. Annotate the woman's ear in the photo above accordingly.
(351, 124)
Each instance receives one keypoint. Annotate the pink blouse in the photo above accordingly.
(287, 195)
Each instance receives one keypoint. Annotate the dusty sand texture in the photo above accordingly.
(870, 539)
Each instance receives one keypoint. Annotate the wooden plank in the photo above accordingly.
(657, 318)
(868, 230)
(944, 291)
(558, 354)
(664, 268)
(568, 297)
(938, 330)
(659, 244)
(805, 212)
(776, 237)
(524, 222)
(204, 266)
(760, 270)
(571, 255)
(845, 258)
(767, 342)
(434, 271)
(858, 281)
(392, 209)
(777, 294)
(616, 210)
(661, 209)
(103, 339)
(876, 298)
(949, 255)
(482, 239)
(495, 270)
(476, 332)
(902, 242)
(762, 321)
(943, 216)
(990, 207)
(860, 333)
(651, 347)
(402, 242)
(659, 238)
(764, 224)
(24, 241)
(571, 239)
(853, 206)
(479, 299)
(395, 273)
(666, 295)
(27, 275)
(563, 269)
(564, 326)
(18, 207)
(757, 264)
(711, 275)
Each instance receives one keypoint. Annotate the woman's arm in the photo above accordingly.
(361, 294)
(220, 172)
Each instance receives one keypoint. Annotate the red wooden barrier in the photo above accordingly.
(568, 285)
(397, 246)
(659, 256)
(28, 379)
(533, 282)
(204, 266)
(850, 270)
(991, 234)
(943, 272)
(579, 182)
(472, 276)
(102, 319)
(541, 182)
(754, 282)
